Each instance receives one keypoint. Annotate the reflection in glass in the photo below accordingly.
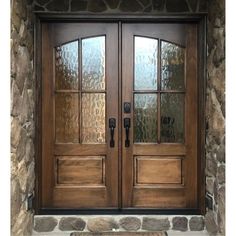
(66, 66)
(93, 118)
(66, 118)
(172, 66)
(145, 63)
(93, 63)
(145, 118)
(172, 118)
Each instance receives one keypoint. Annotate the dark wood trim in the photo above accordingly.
(137, 18)
(202, 73)
(201, 20)
(128, 211)
(38, 112)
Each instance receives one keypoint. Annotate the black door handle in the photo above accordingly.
(127, 126)
(112, 126)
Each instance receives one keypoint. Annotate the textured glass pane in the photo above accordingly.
(145, 118)
(172, 66)
(93, 63)
(66, 117)
(172, 118)
(93, 118)
(145, 63)
(66, 62)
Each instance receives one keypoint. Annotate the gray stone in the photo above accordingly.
(23, 173)
(210, 185)
(15, 200)
(203, 6)
(71, 223)
(45, 224)
(130, 6)
(79, 5)
(16, 100)
(158, 4)
(23, 225)
(221, 209)
(130, 223)
(38, 8)
(221, 174)
(22, 67)
(196, 224)
(42, 2)
(176, 6)
(180, 223)
(20, 150)
(56, 5)
(29, 151)
(220, 154)
(96, 6)
(193, 4)
(145, 3)
(30, 177)
(216, 185)
(154, 224)
(211, 167)
(101, 224)
(210, 222)
(15, 132)
(113, 4)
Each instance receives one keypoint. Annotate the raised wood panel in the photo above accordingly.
(83, 171)
(80, 197)
(159, 198)
(156, 170)
(159, 149)
(82, 149)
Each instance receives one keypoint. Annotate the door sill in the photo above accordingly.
(128, 211)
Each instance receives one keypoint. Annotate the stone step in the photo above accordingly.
(125, 224)
(119, 234)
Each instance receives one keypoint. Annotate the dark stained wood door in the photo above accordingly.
(159, 71)
(130, 148)
(79, 96)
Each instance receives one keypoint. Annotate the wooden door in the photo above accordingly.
(84, 128)
(159, 81)
(79, 97)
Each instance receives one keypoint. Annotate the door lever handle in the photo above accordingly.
(127, 126)
(112, 126)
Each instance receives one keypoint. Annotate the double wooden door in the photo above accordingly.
(119, 116)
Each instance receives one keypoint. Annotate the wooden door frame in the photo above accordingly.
(200, 20)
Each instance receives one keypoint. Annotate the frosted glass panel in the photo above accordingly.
(145, 63)
(66, 118)
(145, 118)
(93, 63)
(172, 118)
(66, 66)
(93, 118)
(172, 66)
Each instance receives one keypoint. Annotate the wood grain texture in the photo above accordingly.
(81, 171)
(84, 182)
(158, 170)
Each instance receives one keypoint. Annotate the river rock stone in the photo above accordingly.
(71, 223)
(196, 224)
(79, 5)
(101, 224)
(45, 224)
(154, 224)
(180, 223)
(130, 223)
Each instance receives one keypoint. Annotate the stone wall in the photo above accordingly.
(121, 6)
(22, 90)
(22, 117)
(98, 224)
(215, 116)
